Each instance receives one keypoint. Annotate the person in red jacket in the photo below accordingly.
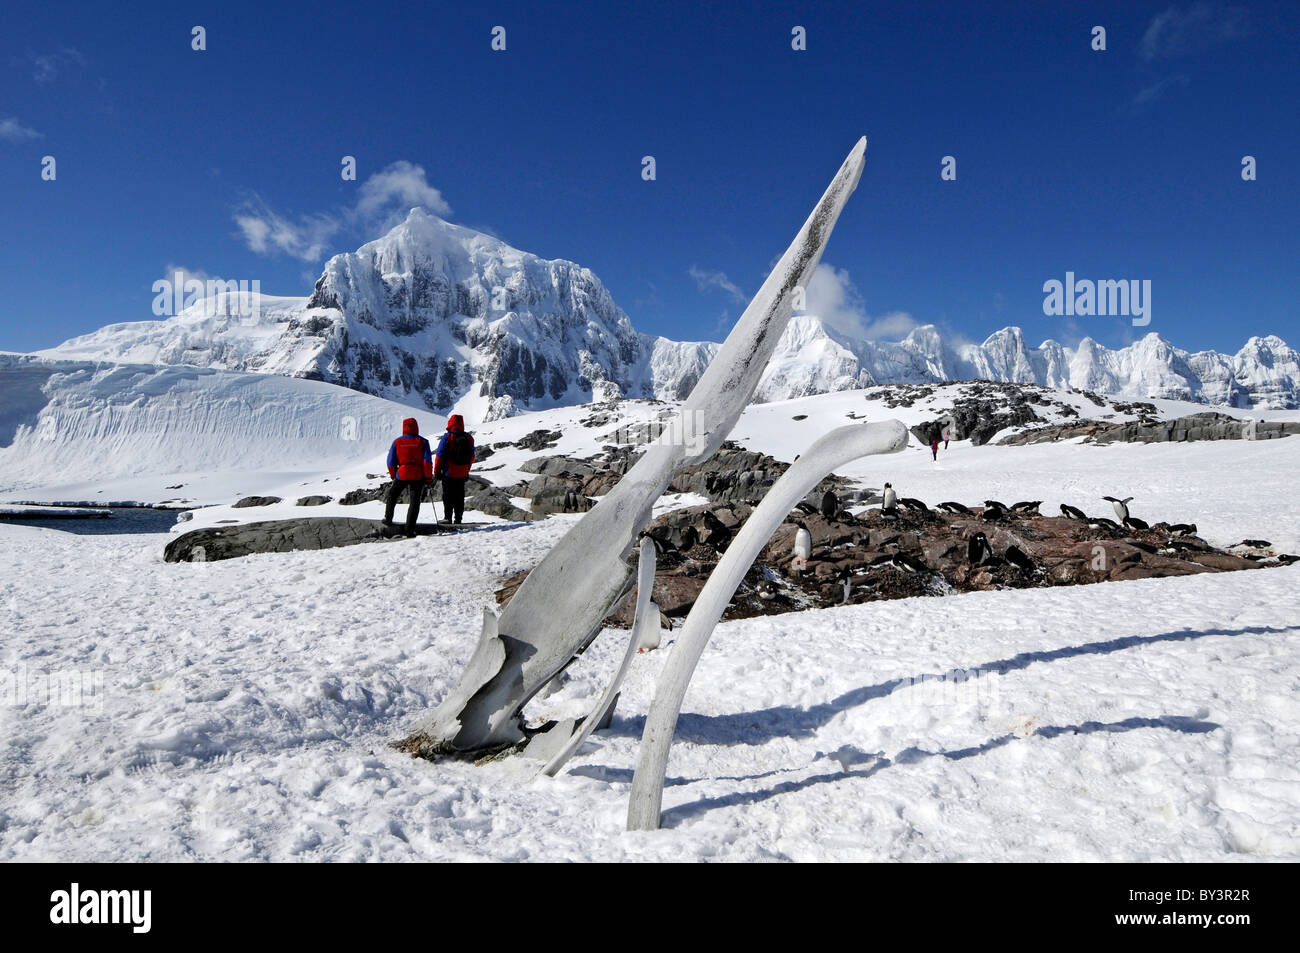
(452, 460)
(410, 465)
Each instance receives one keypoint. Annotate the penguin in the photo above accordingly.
(1073, 513)
(889, 501)
(846, 584)
(1183, 529)
(1026, 507)
(830, 505)
(993, 510)
(802, 547)
(1121, 506)
(1018, 558)
(955, 508)
(909, 563)
(1132, 522)
(978, 550)
(1102, 522)
(913, 504)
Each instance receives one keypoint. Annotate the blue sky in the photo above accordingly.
(1117, 164)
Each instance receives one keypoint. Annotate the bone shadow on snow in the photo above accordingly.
(786, 721)
(675, 815)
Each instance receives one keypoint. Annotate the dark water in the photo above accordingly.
(125, 519)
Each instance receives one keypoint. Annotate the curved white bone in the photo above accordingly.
(834, 449)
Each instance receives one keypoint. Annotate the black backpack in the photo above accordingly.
(460, 449)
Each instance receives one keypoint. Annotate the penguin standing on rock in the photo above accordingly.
(978, 550)
(802, 547)
(830, 505)
(889, 499)
(1121, 507)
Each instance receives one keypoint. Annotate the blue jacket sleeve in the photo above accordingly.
(392, 456)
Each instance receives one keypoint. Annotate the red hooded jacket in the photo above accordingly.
(409, 457)
(443, 464)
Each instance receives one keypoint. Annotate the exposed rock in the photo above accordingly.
(914, 553)
(538, 440)
(1204, 426)
(313, 500)
(277, 536)
(256, 501)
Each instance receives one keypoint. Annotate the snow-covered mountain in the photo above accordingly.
(441, 316)
(813, 358)
(432, 314)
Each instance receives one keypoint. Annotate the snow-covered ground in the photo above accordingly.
(242, 709)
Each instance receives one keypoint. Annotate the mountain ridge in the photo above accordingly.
(439, 315)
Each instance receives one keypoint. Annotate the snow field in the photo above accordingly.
(247, 705)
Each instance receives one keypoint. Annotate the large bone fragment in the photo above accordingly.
(561, 605)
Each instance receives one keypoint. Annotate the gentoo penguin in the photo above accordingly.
(955, 508)
(802, 547)
(909, 563)
(830, 504)
(913, 504)
(1183, 529)
(1073, 513)
(993, 510)
(978, 550)
(1121, 506)
(846, 584)
(1132, 522)
(1018, 558)
(1026, 507)
(889, 501)
(1102, 522)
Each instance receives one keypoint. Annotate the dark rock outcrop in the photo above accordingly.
(276, 536)
(316, 500)
(914, 553)
(256, 501)
(1205, 426)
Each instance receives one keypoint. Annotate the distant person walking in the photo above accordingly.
(410, 466)
(452, 462)
(946, 435)
(934, 447)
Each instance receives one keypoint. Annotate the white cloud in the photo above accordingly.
(1197, 28)
(393, 191)
(707, 280)
(11, 130)
(268, 232)
(383, 201)
(1157, 91)
(46, 67)
(187, 274)
(833, 298)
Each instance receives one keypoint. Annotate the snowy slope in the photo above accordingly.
(75, 430)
